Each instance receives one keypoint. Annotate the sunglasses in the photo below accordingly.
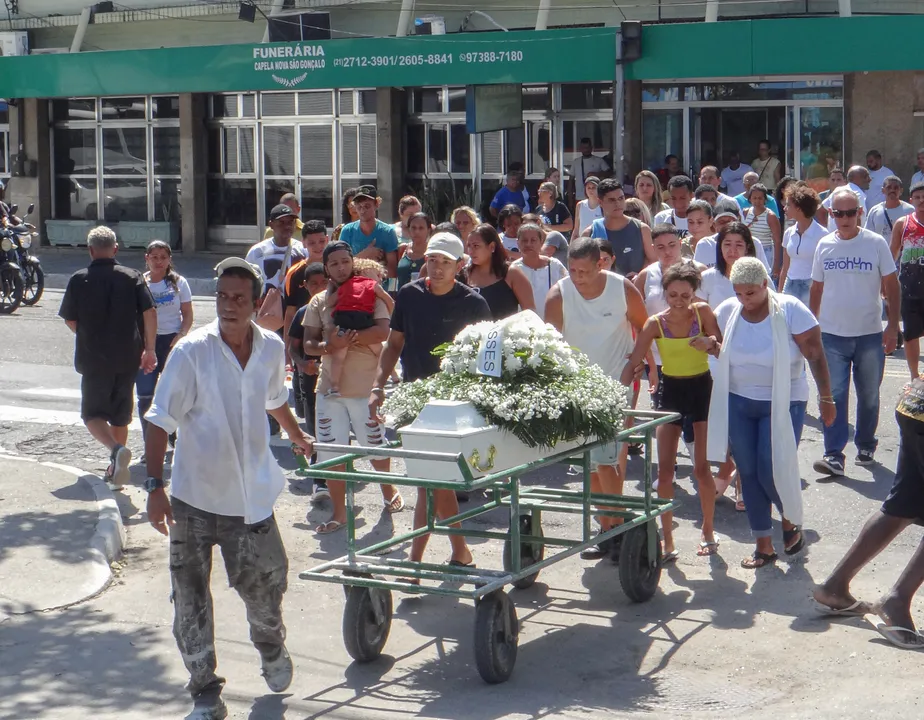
(845, 213)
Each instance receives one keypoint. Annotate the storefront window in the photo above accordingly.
(662, 135)
(232, 201)
(587, 96)
(117, 159)
(822, 89)
(821, 136)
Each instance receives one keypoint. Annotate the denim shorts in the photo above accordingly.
(604, 455)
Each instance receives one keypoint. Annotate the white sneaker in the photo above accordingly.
(121, 458)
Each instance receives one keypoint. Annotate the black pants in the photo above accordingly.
(257, 568)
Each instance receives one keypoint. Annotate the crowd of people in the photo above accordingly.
(717, 298)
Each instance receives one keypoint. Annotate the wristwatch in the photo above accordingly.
(152, 484)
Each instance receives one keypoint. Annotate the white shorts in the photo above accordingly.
(604, 455)
(335, 416)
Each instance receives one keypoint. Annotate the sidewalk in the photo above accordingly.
(59, 529)
(60, 263)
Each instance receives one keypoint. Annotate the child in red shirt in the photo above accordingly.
(355, 310)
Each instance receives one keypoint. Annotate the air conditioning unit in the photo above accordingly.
(14, 43)
(430, 25)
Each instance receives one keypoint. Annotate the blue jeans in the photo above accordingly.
(146, 382)
(798, 289)
(749, 437)
(867, 358)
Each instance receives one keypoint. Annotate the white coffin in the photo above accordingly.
(450, 426)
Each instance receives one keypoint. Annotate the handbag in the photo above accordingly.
(270, 316)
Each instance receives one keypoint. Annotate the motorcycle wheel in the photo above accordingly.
(10, 290)
(33, 284)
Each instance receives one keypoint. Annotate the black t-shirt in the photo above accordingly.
(429, 320)
(107, 300)
(558, 215)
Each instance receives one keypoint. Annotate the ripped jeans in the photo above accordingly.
(334, 416)
(257, 568)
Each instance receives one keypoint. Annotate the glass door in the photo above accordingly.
(821, 132)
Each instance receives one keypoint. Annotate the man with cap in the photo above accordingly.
(368, 236)
(336, 415)
(215, 388)
(275, 255)
(429, 312)
(291, 202)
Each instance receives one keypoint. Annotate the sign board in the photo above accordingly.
(455, 59)
(493, 107)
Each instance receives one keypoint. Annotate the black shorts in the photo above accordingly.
(906, 498)
(353, 319)
(688, 396)
(912, 318)
(108, 396)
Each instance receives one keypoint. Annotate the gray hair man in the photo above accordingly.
(851, 269)
(104, 305)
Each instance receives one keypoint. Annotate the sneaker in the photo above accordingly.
(320, 492)
(278, 671)
(865, 457)
(121, 458)
(829, 465)
(208, 708)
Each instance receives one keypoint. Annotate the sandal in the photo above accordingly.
(788, 535)
(759, 560)
(395, 505)
(331, 526)
(669, 557)
(739, 505)
(708, 548)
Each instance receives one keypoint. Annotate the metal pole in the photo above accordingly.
(712, 10)
(619, 124)
(404, 19)
(843, 8)
(275, 9)
(542, 17)
(81, 30)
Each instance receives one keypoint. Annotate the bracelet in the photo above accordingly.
(826, 397)
(378, 390)
(825, 401)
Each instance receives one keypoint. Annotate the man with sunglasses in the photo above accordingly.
(852, 268)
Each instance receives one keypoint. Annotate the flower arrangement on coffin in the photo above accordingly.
(539, 388)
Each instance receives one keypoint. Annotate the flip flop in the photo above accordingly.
(395, 505)
(669, 557)
(857, 608)
(331, 526)
(456, 563)
(893, 634)
(798, 545)
(763, 558)
(704, 548)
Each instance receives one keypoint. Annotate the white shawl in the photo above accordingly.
(786, 476)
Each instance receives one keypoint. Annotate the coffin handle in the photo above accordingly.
(475, 459)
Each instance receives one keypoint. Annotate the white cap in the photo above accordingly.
(236, 262)
(445, 243)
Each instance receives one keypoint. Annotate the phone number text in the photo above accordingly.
(361, 61)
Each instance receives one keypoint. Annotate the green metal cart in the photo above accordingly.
(369, 578)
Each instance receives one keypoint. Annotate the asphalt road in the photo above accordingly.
(716, 641)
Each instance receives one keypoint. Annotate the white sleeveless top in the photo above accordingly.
(654, 298)
(599, 328)
(541, 280)
(586, 215)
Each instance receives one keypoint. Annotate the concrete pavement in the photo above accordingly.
(716, 641)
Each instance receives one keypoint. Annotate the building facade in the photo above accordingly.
(179, 122)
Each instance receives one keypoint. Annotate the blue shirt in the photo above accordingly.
(383, 234)
(506, 196)
(744, 203)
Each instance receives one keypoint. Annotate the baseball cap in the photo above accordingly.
(726, 213)
(366, 191)
(444, 243)
(236, 262)
(281, 211)
(592, 180)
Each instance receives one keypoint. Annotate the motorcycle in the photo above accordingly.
(22, 280)
(33, 277)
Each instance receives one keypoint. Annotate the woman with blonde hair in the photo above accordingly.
(408, 206)
(465, 219)
(554, 213)
(648, 189)
(637, 209)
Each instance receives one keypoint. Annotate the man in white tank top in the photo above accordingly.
(596, 311)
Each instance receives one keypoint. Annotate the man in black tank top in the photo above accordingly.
(631, 239)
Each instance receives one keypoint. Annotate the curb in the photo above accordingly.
(198, 286)
(109, 537)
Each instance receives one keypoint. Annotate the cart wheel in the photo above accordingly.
(366, 622)
(496, 635)
(530, 552)
(638, 577)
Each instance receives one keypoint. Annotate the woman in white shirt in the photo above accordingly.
(173, 302)
(541, 271)
(587, 210)
(733, 241)
(799, 242)
(758, 402)
(765, 226)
